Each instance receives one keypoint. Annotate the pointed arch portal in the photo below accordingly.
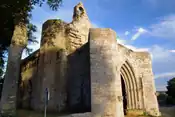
(129, 87)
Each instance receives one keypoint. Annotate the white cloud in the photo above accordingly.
(127, 33)
(159, 53)
(126, 44)
(138, 33)
(165, 28)
(165, 75)
(173, 51)
(163, 61)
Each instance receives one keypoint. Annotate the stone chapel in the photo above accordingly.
(86, 71)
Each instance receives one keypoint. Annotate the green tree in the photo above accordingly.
(19, 13)
(3, 50)
(6, 31)
(171, 91)
(171, 88)
(162, 98)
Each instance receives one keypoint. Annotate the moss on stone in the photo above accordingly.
(57, 21)
(53, 24)
(50, 29)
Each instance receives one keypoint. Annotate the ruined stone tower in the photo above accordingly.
(86, 70)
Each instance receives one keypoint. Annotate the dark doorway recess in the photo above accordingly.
(124, 95)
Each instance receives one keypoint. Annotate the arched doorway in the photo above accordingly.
(129, 88)
(124, 95)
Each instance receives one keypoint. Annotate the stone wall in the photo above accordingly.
(78, 61)
(146, 75)
(144, 87)
(61, 40)
(128, 56)
(79, 80)
(28, 75)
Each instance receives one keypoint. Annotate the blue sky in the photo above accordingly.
(147, 25)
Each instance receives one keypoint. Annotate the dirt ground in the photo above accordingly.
(165, 111)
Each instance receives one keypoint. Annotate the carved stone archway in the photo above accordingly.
(131, 86)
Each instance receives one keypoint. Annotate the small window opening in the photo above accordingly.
(80, 11)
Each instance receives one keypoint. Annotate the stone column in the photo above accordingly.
(106, 95)
(53, 43)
